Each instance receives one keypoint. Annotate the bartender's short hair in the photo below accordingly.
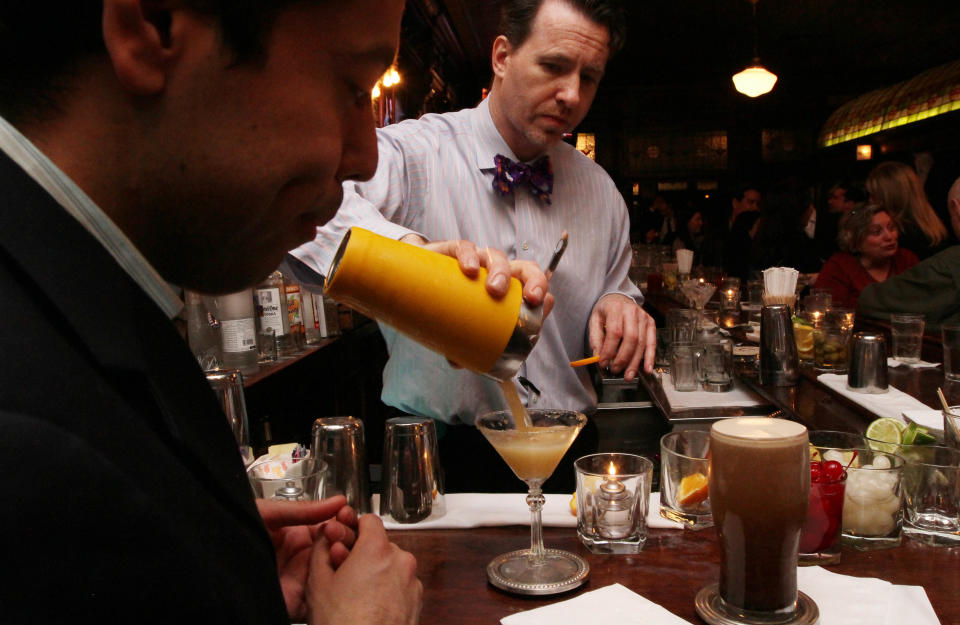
(516, 18)
(42, 41)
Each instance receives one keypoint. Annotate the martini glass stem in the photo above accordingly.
(535, 500)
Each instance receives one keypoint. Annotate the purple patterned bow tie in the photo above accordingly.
(538, 175)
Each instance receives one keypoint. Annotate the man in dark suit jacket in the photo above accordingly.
(144, 143)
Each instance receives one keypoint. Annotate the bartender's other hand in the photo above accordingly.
(294, 527)
(499, 271)
(623, 335)
(376, 585)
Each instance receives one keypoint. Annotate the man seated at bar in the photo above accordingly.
(868, 237)
(147, 143)
(501, 175)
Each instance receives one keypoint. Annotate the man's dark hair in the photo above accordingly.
(42, 41)
(516, 18)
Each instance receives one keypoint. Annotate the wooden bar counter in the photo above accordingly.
(672, 567)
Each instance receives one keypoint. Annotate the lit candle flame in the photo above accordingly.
(611, 470)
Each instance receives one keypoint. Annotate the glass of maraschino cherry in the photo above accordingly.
(820, 539)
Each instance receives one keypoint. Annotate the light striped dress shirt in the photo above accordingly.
(91, 216)
(435, 178)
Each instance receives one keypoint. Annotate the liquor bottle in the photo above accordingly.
(311, 329)
(238, 331)
(327, 315)
(295, 312)
(272, 313)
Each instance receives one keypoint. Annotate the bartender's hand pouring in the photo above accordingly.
(622, 335)
(499, 269)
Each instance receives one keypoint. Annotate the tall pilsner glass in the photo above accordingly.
(759, 488)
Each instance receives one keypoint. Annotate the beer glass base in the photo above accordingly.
(714, 610)
(561, 571)
(820, 558)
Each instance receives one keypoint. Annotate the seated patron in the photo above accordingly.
(931, 287)
(871, 254)
(896, 187)
(690, 234)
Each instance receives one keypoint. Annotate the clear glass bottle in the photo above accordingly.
(272, 312)
(238, 332)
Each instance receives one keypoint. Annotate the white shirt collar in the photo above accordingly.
(78, 204)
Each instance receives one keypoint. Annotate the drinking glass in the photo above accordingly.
(931, 484)
(951, 426)
(873, 501)
(681, 325)
(715, 366)
(683, 367)
(698, 291)
(951, 351)
(533, 452)
(670, 276)
(831, 338)
(759, 488)
(820, 541)
(804, 325)
(684, 466)
(292, 479)
(907, 331)
(227, 385)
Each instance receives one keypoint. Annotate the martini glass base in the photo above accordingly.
(560, 572)
(714, 610)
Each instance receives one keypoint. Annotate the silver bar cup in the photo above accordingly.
(339, 442)
(778, 349)
(412, 478)
(868, 363)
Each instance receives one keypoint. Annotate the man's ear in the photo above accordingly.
(137, 37)
(501, 51)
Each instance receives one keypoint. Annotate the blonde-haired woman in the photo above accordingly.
(896, 187)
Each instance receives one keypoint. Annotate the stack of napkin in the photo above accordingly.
(891, 404)
(465, 510)
(841, 600)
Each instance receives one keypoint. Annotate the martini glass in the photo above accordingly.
(533, 453)
(699, 292)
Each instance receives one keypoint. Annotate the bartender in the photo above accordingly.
(500, 175)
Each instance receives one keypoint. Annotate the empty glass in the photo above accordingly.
(907, 331)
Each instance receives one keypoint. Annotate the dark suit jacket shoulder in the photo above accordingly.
(125, 499)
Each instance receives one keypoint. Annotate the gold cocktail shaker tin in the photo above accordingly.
(424, 295)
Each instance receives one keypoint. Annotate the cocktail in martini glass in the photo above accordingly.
(533, 452)
(699, 292)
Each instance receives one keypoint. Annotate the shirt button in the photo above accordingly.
(525, 246)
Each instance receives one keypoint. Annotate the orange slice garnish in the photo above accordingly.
(693, 489)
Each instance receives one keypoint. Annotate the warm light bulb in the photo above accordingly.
(376, 91)
(754, 81)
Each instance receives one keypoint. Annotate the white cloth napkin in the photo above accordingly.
(613, 605)
(464, 510)
(929, 418)
(737, 396)
(891, 404)
(920, 364)
(846, 600)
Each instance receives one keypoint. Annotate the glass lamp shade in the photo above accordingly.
(754, 81)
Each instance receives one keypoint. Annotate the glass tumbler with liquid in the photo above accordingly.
(759, 487)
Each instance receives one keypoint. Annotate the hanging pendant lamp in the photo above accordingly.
(755, 80)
